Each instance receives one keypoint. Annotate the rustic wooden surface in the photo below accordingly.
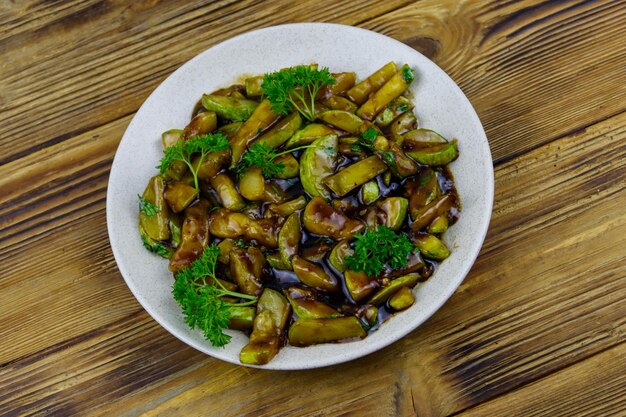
(536, 329)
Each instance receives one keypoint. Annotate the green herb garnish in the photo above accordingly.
(295, 87)
(184, 150)
(147, 207)
(376, 248)
(402, 107)
(366, 141)
(202, 301)
(156, 247)
(262, 156)
(407, 74)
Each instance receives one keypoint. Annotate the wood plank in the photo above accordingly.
(511, 323)
(87, 81)
(518, 61)
(594, 387)
(490, 49)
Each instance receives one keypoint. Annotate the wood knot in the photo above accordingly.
(428, 47)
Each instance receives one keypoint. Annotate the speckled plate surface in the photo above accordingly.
(439, 105)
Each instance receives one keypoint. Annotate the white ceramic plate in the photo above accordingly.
(439, 105)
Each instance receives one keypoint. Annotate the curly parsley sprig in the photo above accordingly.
(376, 248)
(202, 300)
(295, 87)
(184, 150)
(263, 156)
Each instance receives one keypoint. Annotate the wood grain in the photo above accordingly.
(531, 331)
(595, 387)
(513, 59)
(508, 325)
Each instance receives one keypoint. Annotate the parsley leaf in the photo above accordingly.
(147, 207)
(407, 74)
(156, 247)
(366, 141)
(262, 156)
(185, 149)
(376, 248)
(295, 87)
(202, 301)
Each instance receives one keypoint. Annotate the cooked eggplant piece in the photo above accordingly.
(394, 286)
(246, 267)
(354, 175)
(230, 108)
(314, 275)
(179, 195)
(390, 212)
(323, 219)
(308, 134)
(402, 299)
(436, 155)
(431, 247)
(318, 162)
(306, 306)
(194, 236)
(281, 131)
(306, 332)
(289, 238)
(157, 225)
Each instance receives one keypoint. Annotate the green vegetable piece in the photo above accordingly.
(323, 219)
(253, 86)
(343, 82)
(291, 166)
(246, 268)
(360, 92)
(402, 299)
(194, 236)
(229, 108)
(225, 246)
(276, 261)
(252, 184)
(179, 195)
(306, 306)
(241, 318)
(431, 247)
(422, 190)
(261, 119)
(281, 131)
(354, 175)
(439, 225)
(390, 212)
(271, 318)
(384, 293)
(170, 137)
(289, 238)
(422, 138)
(394, 109)
(264, 341)
(338, 255)
(387, 178)
(376, 248)
(278, 306)
(306, 332)
(176, 228)
(370, 315)
(370, 192)
(155, 246)
(343, 120)
(359, 284)
(201, 124)
(436, 155)
(314, 275)
(340, 103)
(227, 192)
(402, 125)
(318, 162)
(288, 207)
(155, 223)
(308, 134)
(228, 224)
(434, 209)
(389, 91)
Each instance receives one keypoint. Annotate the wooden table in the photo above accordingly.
(537, 328)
